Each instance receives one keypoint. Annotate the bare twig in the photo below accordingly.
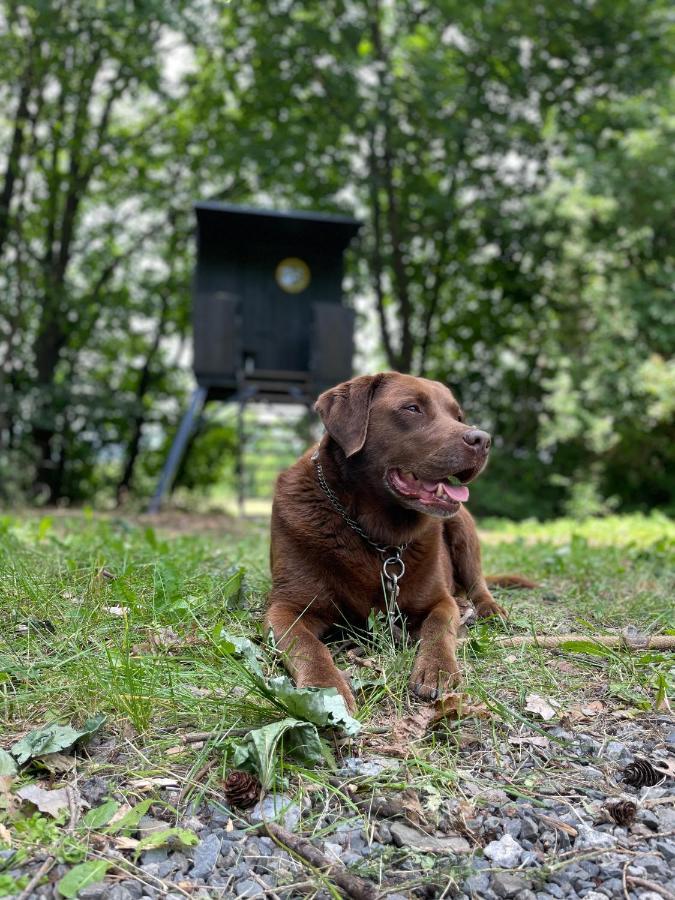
(196, 737)
(650, 886)
(351, 885)
(35, 880)
(73, 808)
(551, 641)
(195, 781)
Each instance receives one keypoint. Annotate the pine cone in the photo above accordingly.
(623, 811)
(241, 789)
(641, 773)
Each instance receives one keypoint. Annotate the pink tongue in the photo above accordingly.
(455, 492)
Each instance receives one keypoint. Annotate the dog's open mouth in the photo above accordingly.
(441, 497)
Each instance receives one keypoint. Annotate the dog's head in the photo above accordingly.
(406, 436)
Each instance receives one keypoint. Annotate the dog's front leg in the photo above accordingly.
(306, 657)
(435, 667)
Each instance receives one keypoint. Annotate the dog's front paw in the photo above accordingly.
(432, 676)
(489, 607)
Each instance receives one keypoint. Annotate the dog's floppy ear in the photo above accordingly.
(345, 410)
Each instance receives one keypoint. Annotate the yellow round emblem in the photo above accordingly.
(292, 275)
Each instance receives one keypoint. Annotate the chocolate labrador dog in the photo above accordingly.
(379, 505)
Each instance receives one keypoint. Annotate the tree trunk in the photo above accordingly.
(144, 384)
(21, 118)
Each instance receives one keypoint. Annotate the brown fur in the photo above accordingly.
(323, 572)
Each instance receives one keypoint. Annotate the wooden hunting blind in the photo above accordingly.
(268, 306)
(268, 319)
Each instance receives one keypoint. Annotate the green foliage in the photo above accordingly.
(82, 876)
(53, 738)
(259, 751)
(511, 162)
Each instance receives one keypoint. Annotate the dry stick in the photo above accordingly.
(39, 875)
(551, 641)
(352, 885)
(650, 886)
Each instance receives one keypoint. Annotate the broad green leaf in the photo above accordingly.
(7, 764)
(53, 738)
(322, 706)
(82, 876)
(167, 836)
(100, 815)
(241, 648)
(257, 752)
(129, 821)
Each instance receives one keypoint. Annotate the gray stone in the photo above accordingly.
(94, 790)
(507, 884)
(554, 889)
(617, 751)
(667, 849)
(151, 869)
(594, 895)
(350, 858)
(513, 827)
(650, 895)
(405, 836)
(505, 852)
(278, 807)
(135, 888)
(528, 829)
(354, 765)
(589, 867)
(476, 884)
(591, 839)
(648, 818)
(652, 864)
(247, 888)
(206, 856)
(98, 891)
(151, 825)
(613, 887)
(157, 855)
(332, 851)
(119, 893)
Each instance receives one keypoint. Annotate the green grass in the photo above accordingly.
(104, 616)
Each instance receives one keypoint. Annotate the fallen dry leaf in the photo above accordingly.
(405, 804)
(122, 842)
(5, 836)
(406, 729)
(118, 610)
(540, 706)
(57, 763)
(7, 799)
(52, 802)
(585, 711)
(120, 814)
(594, 708)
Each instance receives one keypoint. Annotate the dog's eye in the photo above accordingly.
(413, 407)
(460, 417)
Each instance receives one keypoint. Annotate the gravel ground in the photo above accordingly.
(485, 840)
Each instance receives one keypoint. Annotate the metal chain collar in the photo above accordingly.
(391, 559)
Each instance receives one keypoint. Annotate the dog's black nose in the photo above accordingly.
(474, 437)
